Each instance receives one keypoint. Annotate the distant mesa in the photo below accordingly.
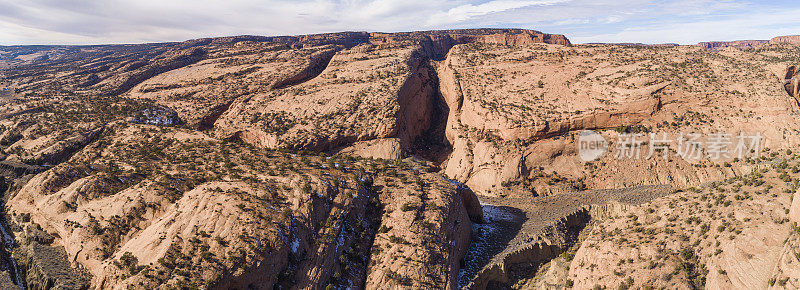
(745, 44)
(715, 45)
(436, 43)
(791, 39)
(636, 44)
(740, 44)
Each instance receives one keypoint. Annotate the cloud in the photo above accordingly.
(129, 21)
(757, 25)
(465, 12)
(612, 19)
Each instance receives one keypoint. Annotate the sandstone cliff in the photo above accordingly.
(790, 39)
(255, 161)
(674, 242)
(135, 211)
(382, 94)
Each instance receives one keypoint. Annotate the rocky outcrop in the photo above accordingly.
(408, 252)
(173, 60)
(333, 255)
(15, 167)
(631, 114)
(471, 202)
(123, 223)
(383, 148)
(339, 109)
(63, 149)
(316, 64)
(608, 210)
(346, 39)
(497, 273)
(206, 122)
(477, 123)
(636, 44)
(741, 245)
(415, 99)
(438, 43)
(48, 267)
(525, 233)
(312, 227)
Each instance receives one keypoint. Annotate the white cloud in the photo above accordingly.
(467, 11)
(612, 19)
(756, 25)
(125, 21)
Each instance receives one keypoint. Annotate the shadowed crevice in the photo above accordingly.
(316, 65)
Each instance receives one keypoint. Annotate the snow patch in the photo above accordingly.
(295, 245)
(495, 213)
(484, 241)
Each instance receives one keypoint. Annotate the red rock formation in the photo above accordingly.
(792, 39)
(435, 42)
(438, 42)
(742, 44)
(173, 60)
(316, 64)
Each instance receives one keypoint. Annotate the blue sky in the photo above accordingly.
(646, 21)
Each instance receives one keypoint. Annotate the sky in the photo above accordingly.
(644, 21)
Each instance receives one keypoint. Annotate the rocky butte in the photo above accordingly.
(428, 159)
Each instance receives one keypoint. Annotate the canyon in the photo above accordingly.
(428, 159)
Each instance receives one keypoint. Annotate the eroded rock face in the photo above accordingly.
(136, 74)
(438, 43)
(514, 112)
(203, 91)
(386, 148)
(741, 247)
(49, 267)
(100, 215)
(136, 210)
(791, 82)
(384, 93)
(176, 206)
(406, 253)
